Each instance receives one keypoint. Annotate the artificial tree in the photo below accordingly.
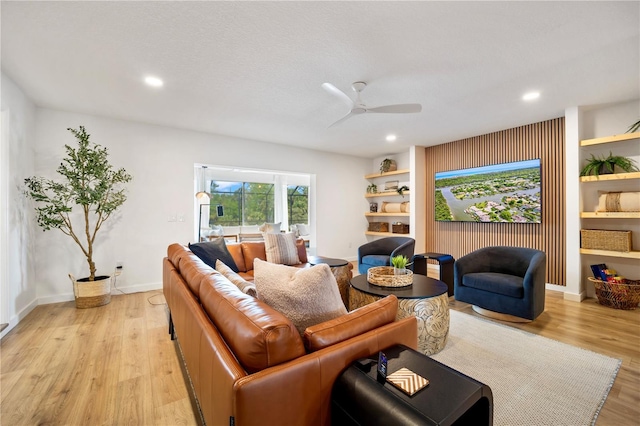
(88, 181)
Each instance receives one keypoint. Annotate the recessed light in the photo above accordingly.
(530, 96)
(391, 138)
(153, 81)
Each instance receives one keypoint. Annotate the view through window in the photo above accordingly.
(243, 203)
(239, 198)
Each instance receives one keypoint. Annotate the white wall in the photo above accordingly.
(161, 161)
(16, 261)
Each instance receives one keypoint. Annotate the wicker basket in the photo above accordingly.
(378, 227)
(624, 295)
(384, 276)
(91, 294)
(400, 228)
(599, 239)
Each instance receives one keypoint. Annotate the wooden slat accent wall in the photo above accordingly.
(543, 140)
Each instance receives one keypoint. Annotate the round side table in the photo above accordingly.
(426, 299)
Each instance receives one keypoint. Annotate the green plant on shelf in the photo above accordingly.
(606, 165)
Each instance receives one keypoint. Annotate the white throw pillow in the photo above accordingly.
(303, 229)
(244, 285)
(270, 228)
(281, 249)
(306, 296)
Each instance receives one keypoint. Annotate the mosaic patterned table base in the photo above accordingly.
(432, 314)
(343, 277)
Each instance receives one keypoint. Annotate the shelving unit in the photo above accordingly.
(589, 183)
(390, 195)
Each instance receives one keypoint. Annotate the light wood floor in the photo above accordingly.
(116, 364)
(113, 365)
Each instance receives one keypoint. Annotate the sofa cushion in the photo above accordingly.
(252, 250)
(302, 250)
(238, 257)
(244, 285)
(211, 251)
(356, 322)
(258, 335)
(281, 249)
(191, 267)
(493, 282)
(305, 296)
(376, 260)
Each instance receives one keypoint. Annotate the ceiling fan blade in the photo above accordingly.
(342, 119)
(397, 109)
(337, 92)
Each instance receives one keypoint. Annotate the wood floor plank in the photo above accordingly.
(117, 365)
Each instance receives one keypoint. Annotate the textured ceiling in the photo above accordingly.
(254, 69)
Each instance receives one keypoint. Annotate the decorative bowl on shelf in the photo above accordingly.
(385, 276)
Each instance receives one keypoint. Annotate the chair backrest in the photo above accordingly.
(390, 246)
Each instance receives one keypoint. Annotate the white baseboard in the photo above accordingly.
(573, 297)
(19, 317)
(67, 297)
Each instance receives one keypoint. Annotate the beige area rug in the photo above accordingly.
(534, 380)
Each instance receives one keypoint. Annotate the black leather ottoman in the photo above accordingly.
(451, 398)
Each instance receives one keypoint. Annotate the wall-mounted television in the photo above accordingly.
(507, 192)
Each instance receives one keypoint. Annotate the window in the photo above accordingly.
(298, 204)
(243, 203)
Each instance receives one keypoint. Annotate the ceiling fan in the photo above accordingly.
(357, 107)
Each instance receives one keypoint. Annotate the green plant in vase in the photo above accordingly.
(400, 264)
(606, 165)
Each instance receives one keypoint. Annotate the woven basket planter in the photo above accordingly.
(384, 276)
(91, 294)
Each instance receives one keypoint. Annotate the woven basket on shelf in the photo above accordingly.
(600, 239)
(624, 295)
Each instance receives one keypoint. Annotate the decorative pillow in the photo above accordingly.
(294, 230)
(619, 202)
(306, 296)
(302, 229)
(270, 228)
(244, 285)
(281, 249)
(217, 230)
(211, 251)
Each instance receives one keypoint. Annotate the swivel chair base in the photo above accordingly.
(498, 315)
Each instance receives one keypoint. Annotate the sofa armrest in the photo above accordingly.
(299, 392)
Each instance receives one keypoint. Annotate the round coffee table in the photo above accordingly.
(340, 270)
(426, 299)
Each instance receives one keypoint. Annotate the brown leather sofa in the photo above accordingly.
(245, 252)
(247, 362)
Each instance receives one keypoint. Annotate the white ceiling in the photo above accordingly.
(254, 69)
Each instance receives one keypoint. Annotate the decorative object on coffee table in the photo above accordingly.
(386, 276)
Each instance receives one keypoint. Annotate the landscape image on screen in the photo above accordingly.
(508, 192)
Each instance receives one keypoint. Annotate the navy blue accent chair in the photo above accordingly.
(508, 280)
(379, 252)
